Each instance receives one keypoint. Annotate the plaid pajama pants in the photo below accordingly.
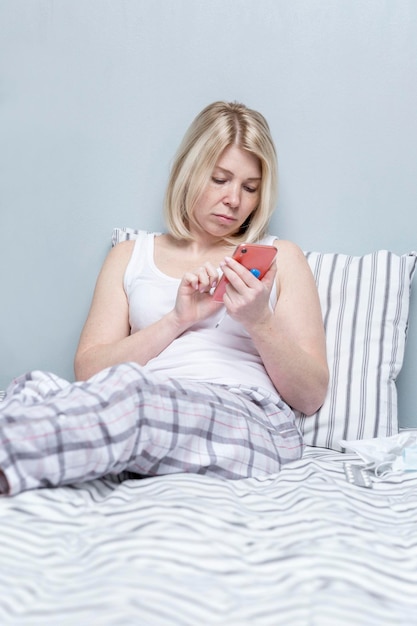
(53, 432)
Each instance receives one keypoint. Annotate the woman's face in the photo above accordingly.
(231, 195)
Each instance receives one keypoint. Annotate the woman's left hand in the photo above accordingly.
(247, 297)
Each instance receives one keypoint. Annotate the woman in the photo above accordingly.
(162, 385)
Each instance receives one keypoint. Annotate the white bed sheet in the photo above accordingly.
(302, 547)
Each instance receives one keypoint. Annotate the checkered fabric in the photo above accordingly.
(53, 432)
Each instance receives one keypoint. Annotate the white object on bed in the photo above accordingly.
(384, 455)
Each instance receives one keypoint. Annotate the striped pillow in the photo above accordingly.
(365, 303)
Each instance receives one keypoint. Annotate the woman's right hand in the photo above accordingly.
(106, 338)
(194, 301)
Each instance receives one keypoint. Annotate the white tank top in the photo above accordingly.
(224, 355)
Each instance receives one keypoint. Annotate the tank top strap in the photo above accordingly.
(268, 240)
(138, 258)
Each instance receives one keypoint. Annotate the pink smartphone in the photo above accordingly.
(256, 257)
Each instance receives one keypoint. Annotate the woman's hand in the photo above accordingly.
(246, 297)
(290, 339)
(194, 302)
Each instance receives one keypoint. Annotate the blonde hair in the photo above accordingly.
(217, 127)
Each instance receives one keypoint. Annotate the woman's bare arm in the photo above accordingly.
(106, 340)
(290, 339)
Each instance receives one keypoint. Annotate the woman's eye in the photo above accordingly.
(251, 189)
(218, 181)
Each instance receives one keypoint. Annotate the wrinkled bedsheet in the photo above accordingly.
(300, 547)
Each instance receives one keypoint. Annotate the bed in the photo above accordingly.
(303, 547)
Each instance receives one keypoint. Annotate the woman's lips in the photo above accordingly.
(227, 219)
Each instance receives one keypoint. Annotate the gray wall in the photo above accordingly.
(96, 94)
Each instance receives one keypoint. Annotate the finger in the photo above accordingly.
(208, 277)
(238, 275)
(203, 279)
(234, 285)
(250, 289)
(248, 277)
(212, 273)
(191, 279)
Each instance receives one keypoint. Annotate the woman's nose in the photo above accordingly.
(233, 197)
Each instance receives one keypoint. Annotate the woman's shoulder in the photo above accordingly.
(284, 246)
(119, 256)
(123, 249)
(289, 247)
(291, 260)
